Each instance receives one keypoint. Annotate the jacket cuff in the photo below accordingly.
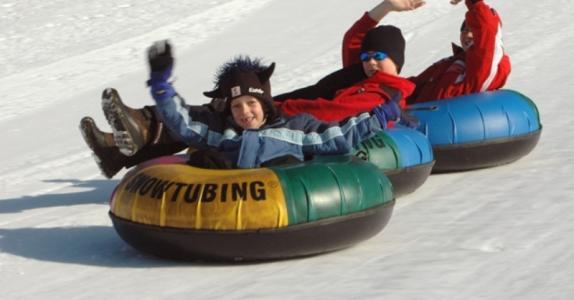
(161, 91)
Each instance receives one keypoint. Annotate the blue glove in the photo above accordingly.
(409, 120)
(387, 112)
(161, 65)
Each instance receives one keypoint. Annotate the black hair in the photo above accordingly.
(242, 63)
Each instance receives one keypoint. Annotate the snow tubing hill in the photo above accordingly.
(479, 130)
(403, 154)
(170, 209)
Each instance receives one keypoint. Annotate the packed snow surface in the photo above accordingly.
(498, 233)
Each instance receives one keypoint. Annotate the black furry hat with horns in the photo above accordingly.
(245, 76)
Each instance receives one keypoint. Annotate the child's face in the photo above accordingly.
(247, 112)
(385, 65)
(466, 38)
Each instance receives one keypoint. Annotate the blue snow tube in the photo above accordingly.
(479, 130)
(405, 155)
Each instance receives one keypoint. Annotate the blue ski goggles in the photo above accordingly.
(376, 55)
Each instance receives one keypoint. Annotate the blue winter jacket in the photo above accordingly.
(300, 136)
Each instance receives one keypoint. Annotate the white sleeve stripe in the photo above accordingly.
(496, 59)
(213, 138)
(298, 137)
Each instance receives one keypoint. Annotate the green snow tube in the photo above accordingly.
(174, 210)
(405, 155)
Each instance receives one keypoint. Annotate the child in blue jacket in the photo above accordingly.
(241, 128)
(250, 131)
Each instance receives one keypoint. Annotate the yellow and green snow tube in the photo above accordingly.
(168, 208)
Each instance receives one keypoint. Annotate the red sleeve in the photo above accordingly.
(331, 111)
(354, 37)
(483, 58)
(423, 77)
(420, 82)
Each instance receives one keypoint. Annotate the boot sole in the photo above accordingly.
(87, 127)
(125, 130)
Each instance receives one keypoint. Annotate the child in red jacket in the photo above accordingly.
(479, 64)
(372, 60)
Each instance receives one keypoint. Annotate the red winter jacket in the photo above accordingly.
(351, 101)
(352, 43)
(482, 67)
(357, 98)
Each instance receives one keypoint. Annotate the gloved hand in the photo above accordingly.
(387, 112)
(409, 120)
(159, 56)
(160, 61)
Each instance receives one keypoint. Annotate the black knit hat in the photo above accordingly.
(244, 76)
(387, 39)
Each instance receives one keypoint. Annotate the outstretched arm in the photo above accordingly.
(487, 65)
(192, 126)
(327, 86)
(354, 36)
(338, 138)
(351, 131)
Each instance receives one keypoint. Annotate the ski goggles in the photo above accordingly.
(376, 55)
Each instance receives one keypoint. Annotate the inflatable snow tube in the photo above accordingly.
(479, 130)
(403, 154)
(170, 209)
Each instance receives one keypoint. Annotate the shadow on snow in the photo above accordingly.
(98, 194)
(86, 245)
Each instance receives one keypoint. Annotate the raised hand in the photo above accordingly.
(382, 9)
(159, 56)
(160, 61)
(404, 5)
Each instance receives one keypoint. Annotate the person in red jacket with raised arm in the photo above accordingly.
(372, 60)
(479, 64)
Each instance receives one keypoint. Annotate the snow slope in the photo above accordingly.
(500, 233)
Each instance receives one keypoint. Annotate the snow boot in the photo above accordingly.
(131, 127)
(105, 153)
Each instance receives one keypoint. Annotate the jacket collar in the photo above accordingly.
(400, 84)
